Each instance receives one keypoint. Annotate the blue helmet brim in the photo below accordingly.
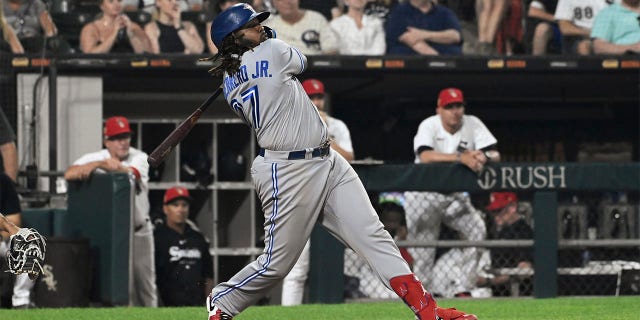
(262, 16)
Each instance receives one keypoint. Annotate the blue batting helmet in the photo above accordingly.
(232, 19)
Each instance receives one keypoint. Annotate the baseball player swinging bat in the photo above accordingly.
(178, 134)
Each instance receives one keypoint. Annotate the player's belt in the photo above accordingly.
(295, 155)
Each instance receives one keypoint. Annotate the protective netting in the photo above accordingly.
(592, 259)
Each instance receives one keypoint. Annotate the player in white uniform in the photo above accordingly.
(575, 19)
(299, 179)
(448, 136)
(293, 284)
(119, 156)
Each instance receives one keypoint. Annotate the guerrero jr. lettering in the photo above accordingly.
(242, 75)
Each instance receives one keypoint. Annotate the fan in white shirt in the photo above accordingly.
(575, 19)
(357, 32)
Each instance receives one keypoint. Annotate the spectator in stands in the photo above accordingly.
(184, 265)
(489, 14)
(575, 19)
(31, 22)
(392, 215)
(8, 148)
(616, 29)
(9, 38)
(454, 137)
(305, 30)
(293, 284)
(511, 31)
(423, 27)
(509, 225)
(358, 33)
(221, 6)
(119, 156)
(10, 207)
(465, 11)
(169, 34)
(541, 26)
(113, 32)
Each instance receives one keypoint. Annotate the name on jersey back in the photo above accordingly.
(233, 81)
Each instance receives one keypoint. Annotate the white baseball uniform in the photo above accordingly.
(425, 211)
(298, 178)
(144, 268)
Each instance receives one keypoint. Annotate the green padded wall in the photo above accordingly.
(99, 209)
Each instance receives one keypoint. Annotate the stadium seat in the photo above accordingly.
(70, 24)
(140, 17)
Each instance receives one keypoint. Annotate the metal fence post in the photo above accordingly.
(326, 279)
(545, 280)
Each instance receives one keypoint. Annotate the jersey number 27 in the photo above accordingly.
(253, 97)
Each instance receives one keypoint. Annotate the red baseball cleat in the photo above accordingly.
(410, 289)
(452, 313)
(217, 314)
(433, 312)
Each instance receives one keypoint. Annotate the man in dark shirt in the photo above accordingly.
(184, 267)
(510, 225)
(422, 27)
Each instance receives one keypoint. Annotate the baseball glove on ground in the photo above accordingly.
(26, 252)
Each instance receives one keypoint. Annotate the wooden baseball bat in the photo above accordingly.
(178, 134)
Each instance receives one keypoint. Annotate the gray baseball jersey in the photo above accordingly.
(295, 193)
(268, 97)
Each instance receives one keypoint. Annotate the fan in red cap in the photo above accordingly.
(116, 126)
(184, 266)
(313, 87)
(450, 96)
(509, 225)
(499, 200)
(175, 193)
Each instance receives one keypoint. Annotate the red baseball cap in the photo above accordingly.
(176, 192)
(500, 200)
(313, 86)
(450, 95)
(115, 126)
